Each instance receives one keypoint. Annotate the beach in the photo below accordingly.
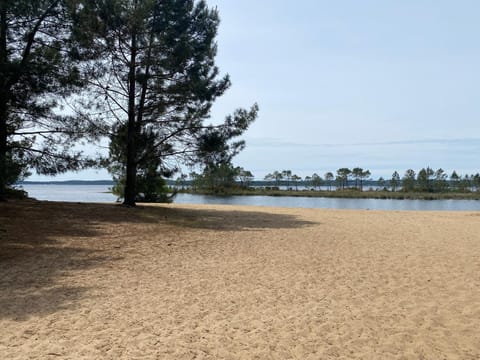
(101, 281)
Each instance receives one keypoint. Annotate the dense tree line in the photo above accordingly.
(141, 73)
(426, 180)
(345, 178)
(223, 178)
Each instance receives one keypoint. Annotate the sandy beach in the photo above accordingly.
(99, 281)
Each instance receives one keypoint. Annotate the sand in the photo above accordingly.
(85, 281)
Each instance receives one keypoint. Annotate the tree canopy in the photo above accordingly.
(140, 72)
(37, 74)
(155, 83)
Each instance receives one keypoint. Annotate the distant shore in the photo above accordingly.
(269, 191)
(345, 194)
(68, 182)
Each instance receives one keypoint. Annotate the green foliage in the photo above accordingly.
(150, 183)
(219, 179)
(245, 177)
(157, 78)
(454, 180)
(342, 177)
(316, 180)
(408, 181)
(329, 177)
(150, 188)
(382, 183)
(217, 144)
(357, 174)
(15, 193)
(217, 147)
(287, 176)
(424, 180)
(37, 75)
(440, 183)
(395, 181)
(360, 175)
(465, 184)
(276, 177)
(476, 181)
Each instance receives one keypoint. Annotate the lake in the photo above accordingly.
(99, 193)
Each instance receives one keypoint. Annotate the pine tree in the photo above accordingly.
(37, 74)
(158, 78)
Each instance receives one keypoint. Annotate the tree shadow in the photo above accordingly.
(36, 260)
(42, 244)
(230, 220)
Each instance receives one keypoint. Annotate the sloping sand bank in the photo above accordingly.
(93, 281)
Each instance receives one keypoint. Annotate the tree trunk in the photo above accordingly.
(3, 146)
(3, 101)
(130, 191)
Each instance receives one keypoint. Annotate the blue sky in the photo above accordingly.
(383, 85)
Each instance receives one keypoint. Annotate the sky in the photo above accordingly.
(383, 85)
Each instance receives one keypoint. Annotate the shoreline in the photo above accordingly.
(347, 194)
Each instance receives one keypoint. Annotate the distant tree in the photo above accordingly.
(357, 175)
(245, 177)
(424, 179)
(329, 177)
(465, 183)
(276, 177)
(343, 175)
(295, 180)
(195, 179)
(395, 181)
(219, 178)
(408, 180)
(307, 181)
(364, 176)
(454, 180)
(316, 181)
(440, 183)
(476, 181)
(381, 183)
(287, 175)
(180, 181)
(339, 182)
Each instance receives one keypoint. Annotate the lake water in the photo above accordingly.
(99, 193)
(75, 193)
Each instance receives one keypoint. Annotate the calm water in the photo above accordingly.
(99, 193)
(76, 193)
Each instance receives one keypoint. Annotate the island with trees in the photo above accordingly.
(427, 184)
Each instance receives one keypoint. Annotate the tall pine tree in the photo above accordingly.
(157, 80)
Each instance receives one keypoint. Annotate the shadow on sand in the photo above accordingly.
(228, 220)
(42, 244)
